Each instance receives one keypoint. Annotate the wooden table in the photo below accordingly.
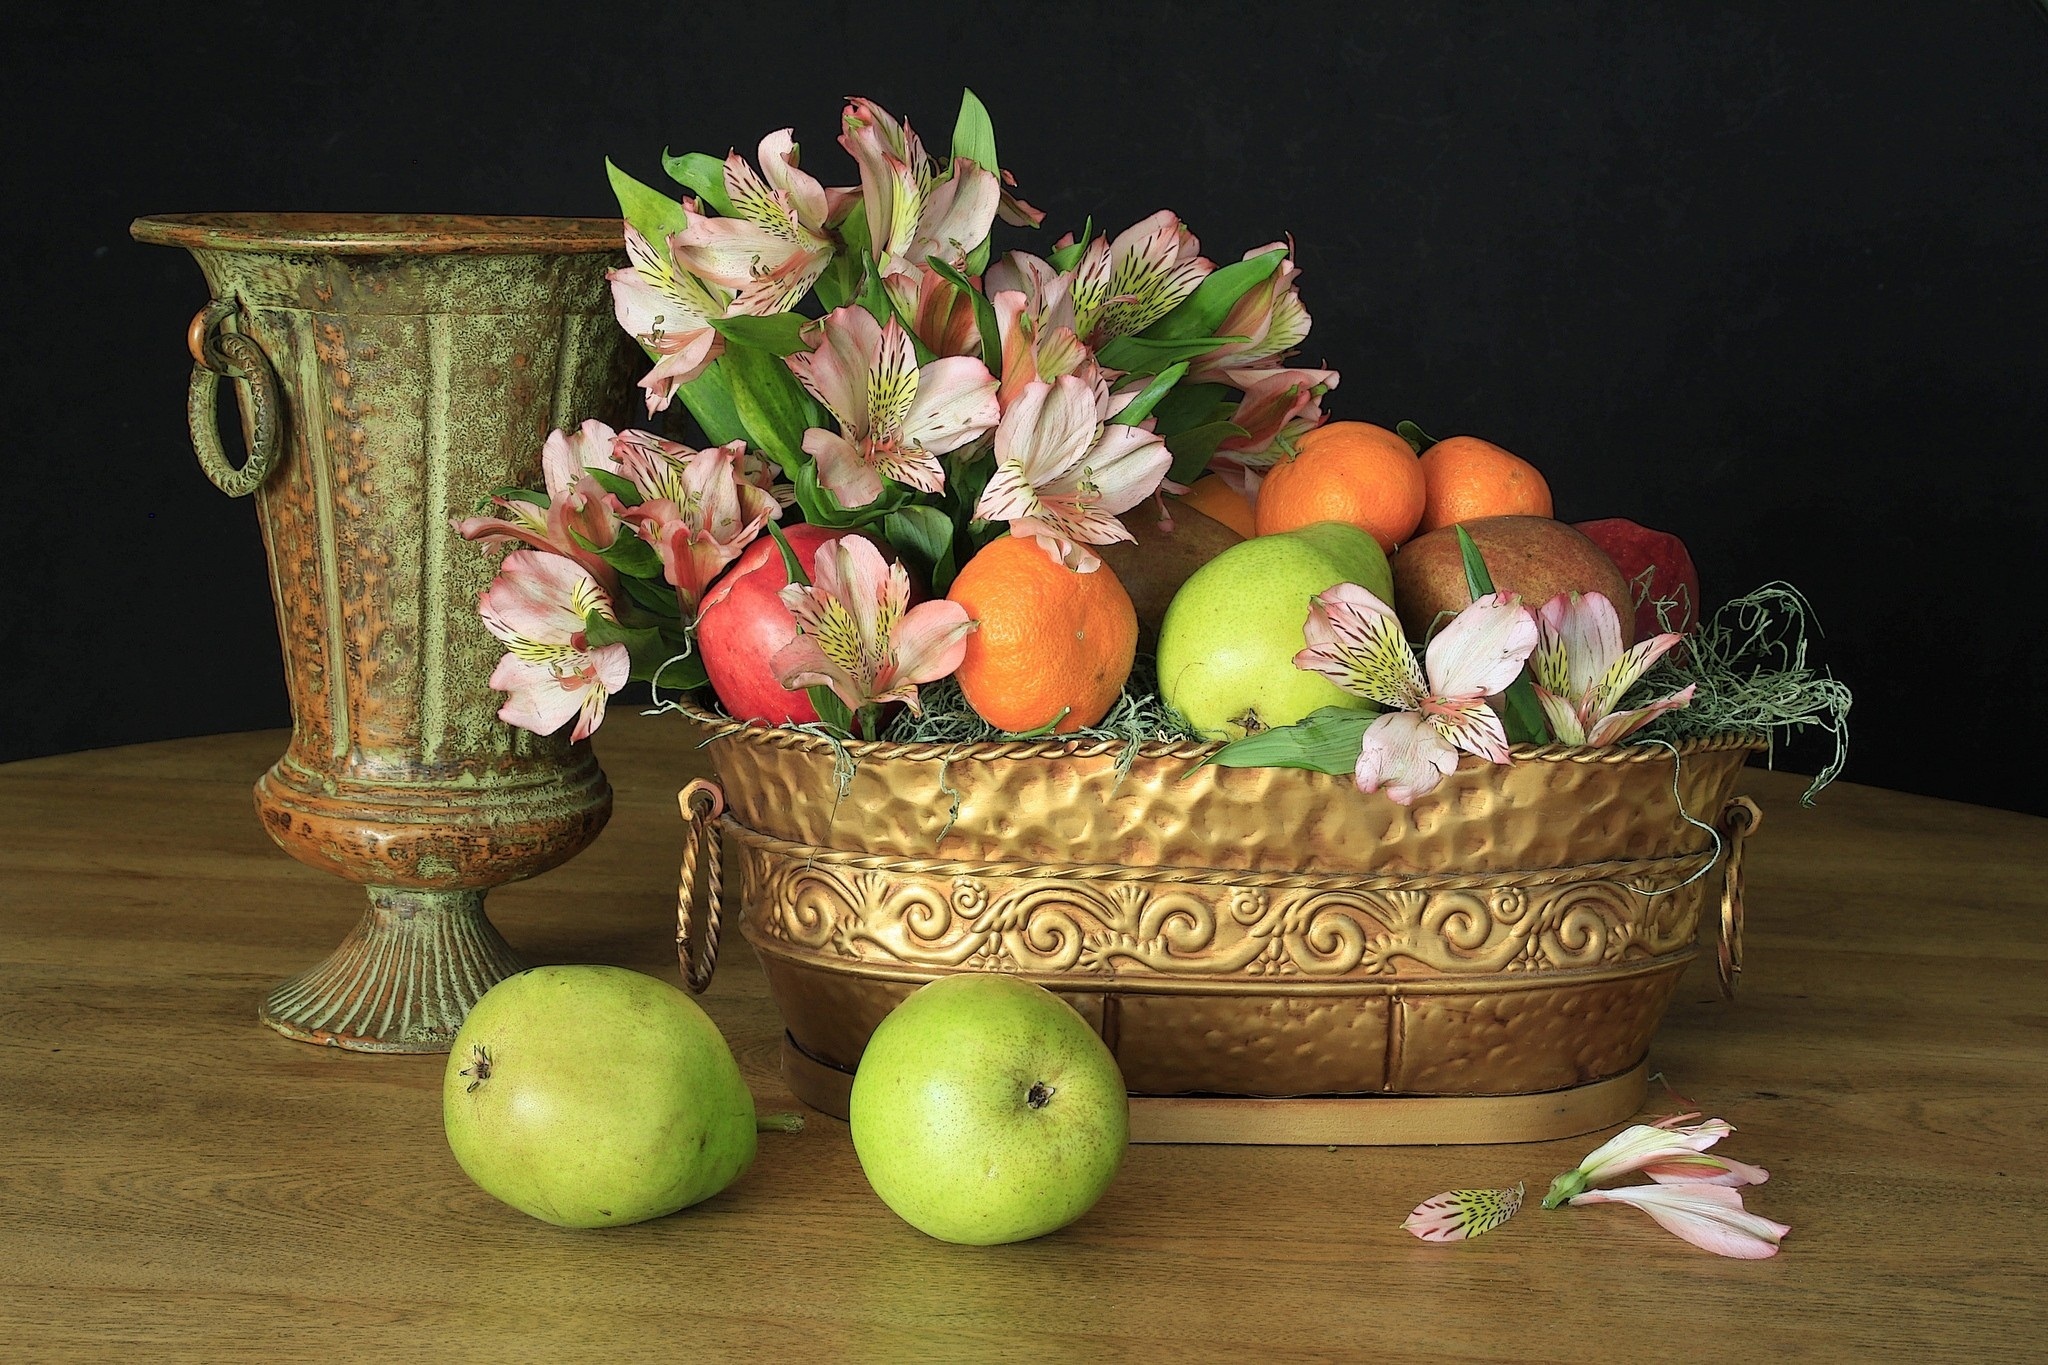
(178, 1181)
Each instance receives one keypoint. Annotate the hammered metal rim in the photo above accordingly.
(784, 737)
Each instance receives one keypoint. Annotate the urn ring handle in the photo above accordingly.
(702, 803)
(217, 352)
(1739, 819)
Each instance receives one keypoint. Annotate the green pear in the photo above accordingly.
(1227, 646)
(593, 1096)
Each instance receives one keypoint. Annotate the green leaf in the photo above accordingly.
(840, 282)
(652, 595)
(974, 136)
(984, 315)
(648, 646)
(617, 485)
(1327, 741)
(709, 399)
(684, 672)
(1191, 405)
(1050, 727)
(1521, 713)
(1203, 311)
(792, 567)
(1417, 439)
(630, 555)
(1066, 257)
(653, 214)
(770, 403)
(704, 174)
(1149, 355)
(923, 537)
(525, 495)
(780, 334)
(1477, 580)
(1139, 408)
(821, 508)
(1193, 447)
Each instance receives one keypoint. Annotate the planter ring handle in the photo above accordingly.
(702, 803)
(1739, 819)
(217, 352)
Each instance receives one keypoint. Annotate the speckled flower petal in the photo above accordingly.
(1461, 1215)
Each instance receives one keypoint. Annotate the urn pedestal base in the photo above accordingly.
(404, 978)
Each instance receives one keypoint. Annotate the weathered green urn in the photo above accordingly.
(392, 370)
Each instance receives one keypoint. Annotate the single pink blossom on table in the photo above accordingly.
(698, 510)
(539, 606)
(1709, 1216)
(778, 240)
(914, 214)
(1063, 471)
(668, 311)
(1668, 1152)
(577, 505)
(860, 636)
(1355, 641)
(1270, 318)
(1460, 1215)
(895, 417)
(1582, 673)
(1124, 286)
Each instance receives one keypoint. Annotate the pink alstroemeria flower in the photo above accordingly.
(1270, 318)
(860, 636)
(1125, 286)
(576, 504)
(1355, 641)
(941, 314)
(778, 241)
(914, 215)
(1582, 673)
(1063, 472)
(538, 606)
(1279, 408)
(1034, 309)
(699, 510)
(1669, 1152)
(668, 311)
(895, 417)
(1709, 1216)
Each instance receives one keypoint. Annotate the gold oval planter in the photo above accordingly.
(1488, 964)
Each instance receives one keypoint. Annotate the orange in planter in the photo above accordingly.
(1469, 478)
(1050, 639)
(1345, 471)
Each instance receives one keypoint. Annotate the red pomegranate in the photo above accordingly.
(1634, 549)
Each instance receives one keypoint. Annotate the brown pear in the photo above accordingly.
(1533, 557)
(1154, 565)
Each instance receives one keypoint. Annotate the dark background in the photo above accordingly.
(1771, 276)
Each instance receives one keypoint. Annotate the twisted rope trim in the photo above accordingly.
(1613, 870)
(782, 737)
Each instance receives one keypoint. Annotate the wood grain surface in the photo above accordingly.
(177, 1182)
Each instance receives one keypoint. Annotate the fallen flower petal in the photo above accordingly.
(1711, 1217)
(1460, 1215)
(1670, 1145)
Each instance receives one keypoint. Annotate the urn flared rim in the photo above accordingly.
(401, 234)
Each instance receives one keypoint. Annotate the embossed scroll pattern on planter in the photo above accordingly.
(1121, 922)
